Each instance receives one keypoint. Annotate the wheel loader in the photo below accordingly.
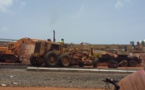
(53, 54)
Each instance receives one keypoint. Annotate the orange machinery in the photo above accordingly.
(9, 53)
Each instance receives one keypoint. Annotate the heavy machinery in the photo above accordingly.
(9, 53)
(56, 54)
(60, 54)
(6, 55)
(117, 55)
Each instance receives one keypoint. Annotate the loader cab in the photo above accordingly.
(41, 47)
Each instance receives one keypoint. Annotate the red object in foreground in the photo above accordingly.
(134, 81)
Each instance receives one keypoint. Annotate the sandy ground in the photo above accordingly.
(41, 88)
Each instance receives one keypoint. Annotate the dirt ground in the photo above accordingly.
(41, 88)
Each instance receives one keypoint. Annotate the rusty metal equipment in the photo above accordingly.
(6, 55)
(11, 52)
(57, 54)
(117, 55)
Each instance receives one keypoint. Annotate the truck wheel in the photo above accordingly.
(123, 63)
(132, 63)
(64, 60)
(95, 63)
(51, 59)
(34, 62)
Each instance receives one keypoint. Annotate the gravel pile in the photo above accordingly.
(23, 78)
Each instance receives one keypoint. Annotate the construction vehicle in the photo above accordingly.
(10, 52)
(117, 55)
(55, 54)
(58, 54)
(6, 55)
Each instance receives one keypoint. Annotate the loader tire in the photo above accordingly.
(34, 62)
(64, 60)
(132, 63)
(51, 59)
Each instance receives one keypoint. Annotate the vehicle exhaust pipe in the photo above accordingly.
(53, 36)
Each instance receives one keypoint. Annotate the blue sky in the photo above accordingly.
(91, 21)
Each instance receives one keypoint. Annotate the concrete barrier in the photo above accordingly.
(80, 70)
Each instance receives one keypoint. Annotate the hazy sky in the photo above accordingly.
(91, 21)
